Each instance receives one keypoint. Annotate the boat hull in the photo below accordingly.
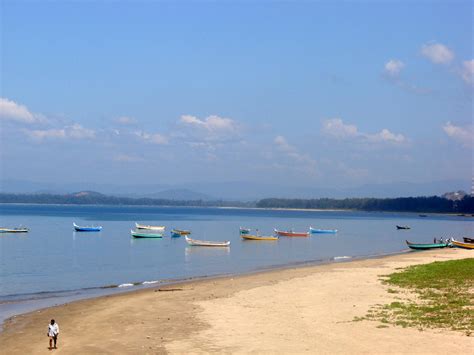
(148, 227)
(468, 240)
(416, 246)
(322, 231)
(145, 235)
(14, 230)
(205, 243)
(462, 245)
(257, 237)
(403, 227)
(86, 229)
(291, 234)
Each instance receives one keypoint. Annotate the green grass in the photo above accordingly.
(445, 297)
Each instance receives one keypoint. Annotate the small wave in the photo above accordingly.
(342, 257)
(149, 282)
(125, 285)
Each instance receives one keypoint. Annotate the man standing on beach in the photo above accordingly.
(53, 332)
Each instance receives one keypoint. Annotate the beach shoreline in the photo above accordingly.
(241, 314)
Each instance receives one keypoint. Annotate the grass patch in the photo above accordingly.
(444, 292)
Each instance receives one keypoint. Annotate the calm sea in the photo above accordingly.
(52, 263)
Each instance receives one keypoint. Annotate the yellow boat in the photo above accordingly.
(257, 237)
(462, 245)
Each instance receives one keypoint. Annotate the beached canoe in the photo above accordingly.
(290, 233)
(87, 228)
(244, 230)
(14, 230)
(136, 234)
(426, 246)
(468, 240)
(206, 243)
(327, 231)
(403, 227)
(457, 244)
(258, 237)
(149, 227)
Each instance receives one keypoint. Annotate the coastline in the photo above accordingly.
(243, 313)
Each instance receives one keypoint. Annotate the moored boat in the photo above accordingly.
(468, 240)
(418, 246)
(327, 231)
(149, 227)
(244, 230)
(136, 234)
(14, 230)
(403, 227)
(175, 233)
(87, 228)
(290, 233)
(258, 237)
(462, 245)
(206, 243)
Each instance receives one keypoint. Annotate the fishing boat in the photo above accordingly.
(179, 232)
(258, 237)
(14, 230)
(423, 215)
(87, 228)
(403, 227)
(468, 240)
(206, 243)
(244, 230)
(462, 245)
(328, 231)
(136, 234)
(426, 246)
(148, 227)
(290, 233)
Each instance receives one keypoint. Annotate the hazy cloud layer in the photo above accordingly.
(10, 110)
(393, 67)
(75, 131)
(467, 71)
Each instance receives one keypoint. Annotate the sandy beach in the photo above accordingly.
(297, 310)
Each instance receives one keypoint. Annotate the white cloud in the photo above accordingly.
(154, 138)
(211, 123)
(463, 135)
(393, 67)
(337, 128)
(467, 71)
(437, 53)
(75, 131)
(10, 110)
(125, 120)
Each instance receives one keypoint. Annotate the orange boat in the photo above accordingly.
(290, 233)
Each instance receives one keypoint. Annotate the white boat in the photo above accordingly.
(206, 243)
(149, 227)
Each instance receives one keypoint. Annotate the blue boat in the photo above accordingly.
(327, 231)
(86, 228)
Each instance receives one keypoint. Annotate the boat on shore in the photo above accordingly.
(462, 245)
(149, 227)
(290, 233)
(258, 237)
(403, 227)
(418, 246)
(136, 234)
(14, 230)
(468, 240)
(206, 243)
(86, 228)
(321, 231)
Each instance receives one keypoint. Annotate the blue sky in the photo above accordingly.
(298, 93)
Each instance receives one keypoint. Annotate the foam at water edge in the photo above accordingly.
(125, 285)
(341, 257)
(149, 282)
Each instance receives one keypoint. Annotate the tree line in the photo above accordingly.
(433, 204)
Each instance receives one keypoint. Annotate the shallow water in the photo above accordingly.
(52, 258)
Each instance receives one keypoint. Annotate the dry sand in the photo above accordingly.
(299, 310)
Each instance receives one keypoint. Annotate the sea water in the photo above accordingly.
(53, 263)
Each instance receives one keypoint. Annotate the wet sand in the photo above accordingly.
(297, 310)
